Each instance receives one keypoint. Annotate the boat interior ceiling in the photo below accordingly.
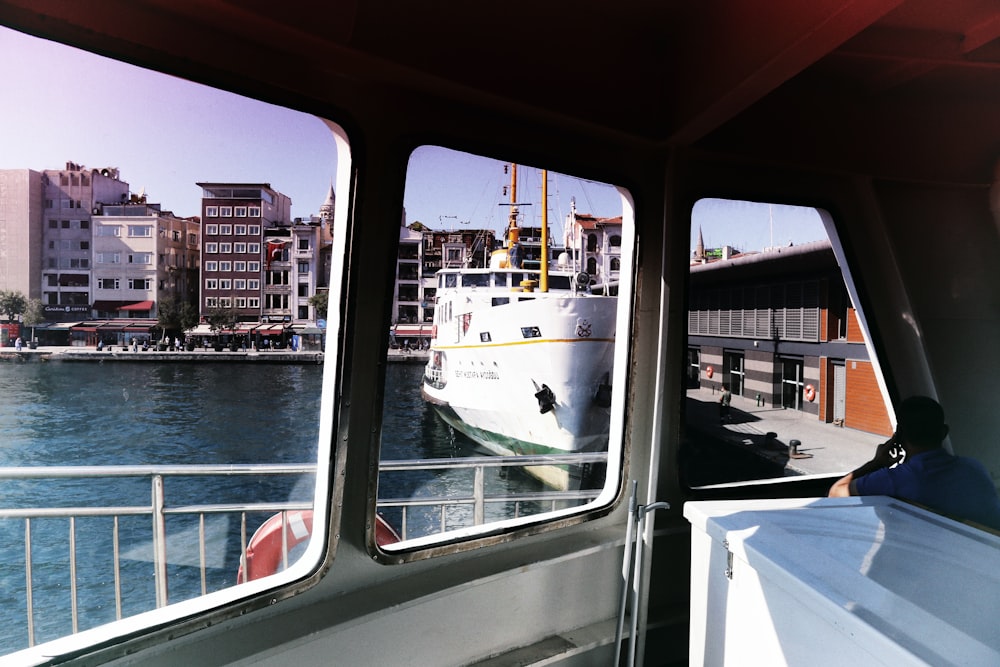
(884, 113)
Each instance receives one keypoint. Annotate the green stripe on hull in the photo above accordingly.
(559, 477)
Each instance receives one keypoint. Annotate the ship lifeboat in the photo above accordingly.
(264, 557)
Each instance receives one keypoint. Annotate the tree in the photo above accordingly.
(12, 304)
(320, 301)
(175, 316)
(220, 318)
(34, 314)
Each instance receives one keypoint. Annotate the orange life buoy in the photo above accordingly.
(810, 392)
(710, 371)
(264, 557)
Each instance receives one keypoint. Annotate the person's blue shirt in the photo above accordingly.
(954, 485)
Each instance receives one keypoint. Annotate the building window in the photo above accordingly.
(211, 212)
(140, 231)
(253, 248)
(239, 266)
(108, 257)
(240, 230)
(225, 283)
(211, 301)
(225, 212)
(107, 283)
(240, 248)
(254, 230)
(303, 244)
(211, 283)
(254, 212)
(253, 302)
(211, 266)
(253, 267)
(240, 283)
(225, 266)
(225, 247)
(138, 283)
(109, 230)
(211, 247)
(253, 284)
(241, 212)
(225, 230)
(211, 230)
(140, 258)
(241, 302)
(303, 268)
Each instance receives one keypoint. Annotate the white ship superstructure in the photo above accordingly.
(521, 358)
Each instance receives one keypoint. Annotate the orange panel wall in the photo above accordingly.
(865, 409)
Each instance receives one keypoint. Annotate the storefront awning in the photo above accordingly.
(108, 306)
(131, 326)
(141, 305)
(412, 329)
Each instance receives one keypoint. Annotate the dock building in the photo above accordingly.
(779, 328)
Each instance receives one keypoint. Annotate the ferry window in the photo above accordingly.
(130, 487)
(781, 378)
(517, 367)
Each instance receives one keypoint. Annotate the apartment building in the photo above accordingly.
(140, 256)
(235, 219)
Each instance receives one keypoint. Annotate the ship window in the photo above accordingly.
(476, 280)
(506, 437)
(194, 458)
(767, 304)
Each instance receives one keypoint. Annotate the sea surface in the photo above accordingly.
(120, 414)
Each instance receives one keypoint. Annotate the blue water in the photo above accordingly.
(142, 414)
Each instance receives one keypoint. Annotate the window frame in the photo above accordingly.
(493, 533)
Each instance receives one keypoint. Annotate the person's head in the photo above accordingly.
(920, 422)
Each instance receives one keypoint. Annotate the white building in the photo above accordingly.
(140, 256)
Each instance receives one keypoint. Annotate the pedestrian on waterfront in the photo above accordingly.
(18, 343)
(724, 400)
(912, 465)
(100, 345)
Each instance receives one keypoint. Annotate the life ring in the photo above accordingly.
(263, 556)
(810, 393)
(710, 371)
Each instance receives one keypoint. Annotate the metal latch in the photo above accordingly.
(729, 560)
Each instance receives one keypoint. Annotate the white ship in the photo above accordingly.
(521, 355)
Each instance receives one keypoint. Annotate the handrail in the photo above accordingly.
(158, 508)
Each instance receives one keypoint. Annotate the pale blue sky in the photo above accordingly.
(165, 134)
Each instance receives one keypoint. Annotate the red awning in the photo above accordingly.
(413, 329)
(141, 305)
(107, 306)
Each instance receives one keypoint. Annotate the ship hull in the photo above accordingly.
(528, 377)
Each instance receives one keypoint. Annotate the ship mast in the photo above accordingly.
(513, 233)
(543, 281)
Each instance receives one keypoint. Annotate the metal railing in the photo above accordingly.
(158, 509)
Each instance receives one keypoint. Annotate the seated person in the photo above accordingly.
(926, 474)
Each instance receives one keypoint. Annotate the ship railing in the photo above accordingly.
(479, 499)
(158, 509)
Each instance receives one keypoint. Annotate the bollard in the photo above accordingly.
(758, 399)
(793, 447)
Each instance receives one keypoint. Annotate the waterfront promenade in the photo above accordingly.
(118, 353)
(824, 448)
